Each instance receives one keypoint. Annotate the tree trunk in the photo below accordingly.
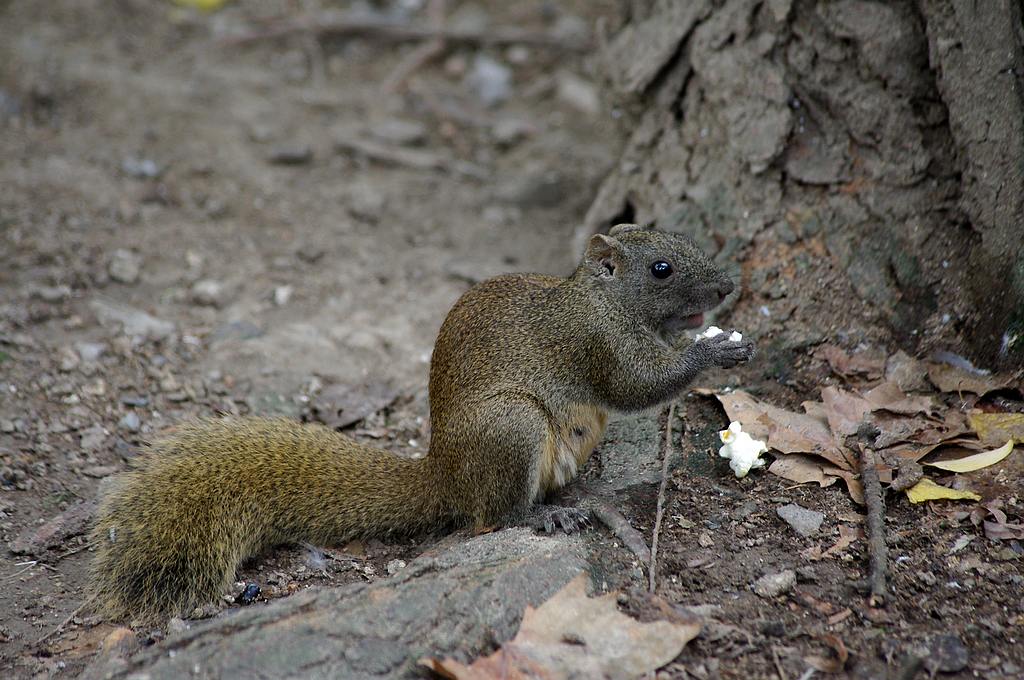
(863, 160)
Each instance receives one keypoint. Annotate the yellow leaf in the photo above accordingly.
(927, 490)
(993, 428)
(975, 461)
(202, 5)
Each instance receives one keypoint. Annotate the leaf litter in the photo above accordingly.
(572, 635)
(942, 414)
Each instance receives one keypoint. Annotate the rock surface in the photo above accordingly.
(455, 603)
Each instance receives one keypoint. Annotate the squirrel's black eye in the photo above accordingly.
(661, 269)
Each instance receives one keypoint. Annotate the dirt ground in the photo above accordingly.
(185, 229)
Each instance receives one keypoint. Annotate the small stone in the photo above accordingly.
(510, 131)
(130, 421)
(135, 400)
(282, 294)
(805, 522)
(69, 359)
(90, 351)
(578, 93)
(140, 168)
(395, 566)
(208, 293)
(397, 131)
(125, 266)
(94, 438)
(490, 80)
(946, 654)
(120, 642)
(704, 540)
(293, 154)
(773, 585)
(310, 253)
(176, 625)
(50, 293)
(134, 321)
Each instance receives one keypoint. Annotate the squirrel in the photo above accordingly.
(524, 372)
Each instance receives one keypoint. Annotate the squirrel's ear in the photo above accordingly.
(623, 228)
(604, 254)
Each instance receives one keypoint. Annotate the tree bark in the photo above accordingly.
(863, 160)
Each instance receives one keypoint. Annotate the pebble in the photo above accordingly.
(773, 585)
(947, 654)
(395, 566)
(140, 168)
(50, 293)
(282, 294)
(208, 293)
(135, 400)
(130, 421)
(397, 131)
(125, 266)
(93, 438)
(489, 80)
(510, 131)
(90, 351)
(578, 93)
(805, 522)
(134, 321)
(291, 154)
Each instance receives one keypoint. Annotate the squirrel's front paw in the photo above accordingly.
(727, 353)
(568, 519)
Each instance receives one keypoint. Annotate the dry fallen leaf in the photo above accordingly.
(973, 462)
(802, 469)
(847, 536)
(575, 636)
(889, 397)
(830, 664)
(996, 428)
(785, 431)
(927, 490)
(868, 364)
(845, 410)
(954, 379)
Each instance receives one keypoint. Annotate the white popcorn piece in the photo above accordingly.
(712, 331)
(709, 332)
(742, 450)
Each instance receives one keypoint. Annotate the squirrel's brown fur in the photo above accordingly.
(524, 372)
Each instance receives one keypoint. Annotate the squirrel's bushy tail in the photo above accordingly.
(170, 533)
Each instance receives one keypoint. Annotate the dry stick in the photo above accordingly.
(620, 526)
(778, 664)
(876, 526)
(334, 25)
(63, 623)
(661, 496)
(416, 59)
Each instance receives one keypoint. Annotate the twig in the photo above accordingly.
(63, 623)
(620, 526)
(808, 674)
(876, 527)
(337, 24)
(778, 664)
(410, 158)
(652, 571)
(18, 573)
(420, 56)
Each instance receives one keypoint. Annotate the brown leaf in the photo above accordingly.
(845, 410)
(343, 404)
(868, 364)
(802, 469)
(907, 372)
(954, 379)
(889, 397)
(785, 431)
(833, 664)
(575, 636)
(847, 536)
